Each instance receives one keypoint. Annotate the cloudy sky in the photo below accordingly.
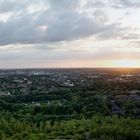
(69, 33)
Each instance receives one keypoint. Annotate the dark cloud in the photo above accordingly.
(125, 3)
(95, 4)
(74, 26)
(63, 4)
(62, 20)
(113, 3)
(12, 5)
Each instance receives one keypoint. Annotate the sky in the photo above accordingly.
(69, 33)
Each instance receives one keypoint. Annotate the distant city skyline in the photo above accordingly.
(69, 33)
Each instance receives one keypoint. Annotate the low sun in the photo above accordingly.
(118, 63)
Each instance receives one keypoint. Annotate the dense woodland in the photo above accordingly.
(70, 104)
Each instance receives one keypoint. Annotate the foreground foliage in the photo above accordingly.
(98, 127)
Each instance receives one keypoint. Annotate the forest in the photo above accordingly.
(91, 106)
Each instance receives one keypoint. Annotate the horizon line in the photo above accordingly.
(69, 68)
